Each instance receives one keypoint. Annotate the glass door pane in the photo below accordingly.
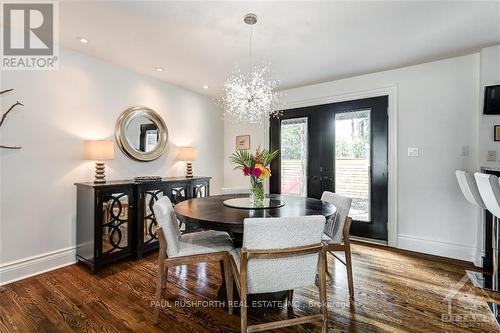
(294, 157)
(353, 162)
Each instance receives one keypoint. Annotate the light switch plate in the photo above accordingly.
(413, 151)
(492, 155)
(464, 151)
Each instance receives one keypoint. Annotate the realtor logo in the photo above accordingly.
(29, 36)
(457, 311)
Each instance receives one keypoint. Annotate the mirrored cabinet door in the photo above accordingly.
(148, 195)
(114, 213)
(200, 189)
(179, 192)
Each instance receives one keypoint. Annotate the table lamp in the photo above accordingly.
(99, 151)
(188, 154)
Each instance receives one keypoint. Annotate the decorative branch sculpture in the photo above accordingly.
(4, 116)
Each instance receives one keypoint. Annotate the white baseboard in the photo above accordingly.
(478, 259)
(438, 248)
(368, 240)
(23, 268)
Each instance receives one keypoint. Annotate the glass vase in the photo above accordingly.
(257, 194)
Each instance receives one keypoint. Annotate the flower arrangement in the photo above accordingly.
(256, 166)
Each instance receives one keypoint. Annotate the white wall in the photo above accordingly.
(490, 75)
(81, 101)
(437, 106)
(258, 137)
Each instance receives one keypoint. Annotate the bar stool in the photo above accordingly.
(468, 185)
(489, 189)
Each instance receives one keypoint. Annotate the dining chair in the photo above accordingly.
(235, 190)
(178, 249)
(280, 254)
(336, 236)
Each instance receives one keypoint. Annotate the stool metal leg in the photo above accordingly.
(494, 243)
(490, 282)
(485, 280)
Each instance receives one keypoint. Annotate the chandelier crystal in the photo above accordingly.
(250, 97)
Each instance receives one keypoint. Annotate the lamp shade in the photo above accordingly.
(187, 154)
(99, 150)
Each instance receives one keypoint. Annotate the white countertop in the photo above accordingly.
(485, 168)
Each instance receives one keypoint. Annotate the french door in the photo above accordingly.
(340, 147)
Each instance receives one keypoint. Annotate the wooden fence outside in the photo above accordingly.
(352, 178)
(292, 178)
(351, 175)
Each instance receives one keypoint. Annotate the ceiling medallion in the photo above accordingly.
(250, 96)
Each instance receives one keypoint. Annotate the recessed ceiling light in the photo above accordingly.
(205, 87)
(159, 69)
(83, 40)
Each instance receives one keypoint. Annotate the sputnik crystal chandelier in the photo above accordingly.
(250, 97)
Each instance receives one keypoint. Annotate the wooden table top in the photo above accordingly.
(211, 213)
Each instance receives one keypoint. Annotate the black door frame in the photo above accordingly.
(321, 119)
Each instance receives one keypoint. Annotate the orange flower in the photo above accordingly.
(265, 173)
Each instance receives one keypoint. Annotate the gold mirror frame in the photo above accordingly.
(121, 132)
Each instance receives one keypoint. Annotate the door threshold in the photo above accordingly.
(369, 240)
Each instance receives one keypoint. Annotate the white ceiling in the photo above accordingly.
(199, 43)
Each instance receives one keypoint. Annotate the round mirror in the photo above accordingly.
(141, 134)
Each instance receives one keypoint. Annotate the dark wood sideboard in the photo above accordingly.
(116, 221)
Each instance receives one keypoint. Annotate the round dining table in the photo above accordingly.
(211, 213)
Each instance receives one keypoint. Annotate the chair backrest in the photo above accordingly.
(489, 189)
(286, 273)
(468, 185)
(335, 226)
(235, 190)
(167, 220)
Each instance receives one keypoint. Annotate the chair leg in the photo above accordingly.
(348, 262)
(290, 298)
(161, 273)
(165, 278)
(228, 276)
(322, 293)
(243, 312)
(326, 262)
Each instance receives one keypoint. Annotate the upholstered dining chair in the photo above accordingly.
(280, 254)
(191, 248)
(336, 236)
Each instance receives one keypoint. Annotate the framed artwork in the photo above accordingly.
(243, 142)
(496, 133)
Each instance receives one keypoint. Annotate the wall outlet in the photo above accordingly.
(413, 152)
(492, 156)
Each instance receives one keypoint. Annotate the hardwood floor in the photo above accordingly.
(394, 292)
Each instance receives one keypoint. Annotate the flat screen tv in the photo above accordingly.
(492, 100)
